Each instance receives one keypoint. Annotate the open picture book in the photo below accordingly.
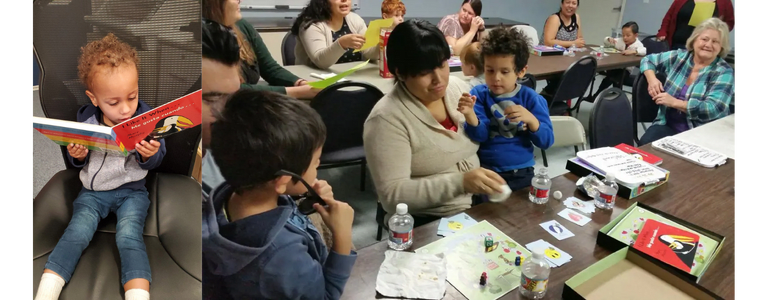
(160, 122)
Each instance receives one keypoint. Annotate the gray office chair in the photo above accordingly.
(166, 35)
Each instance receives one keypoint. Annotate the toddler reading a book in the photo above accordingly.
(505, 117)
(111, 182)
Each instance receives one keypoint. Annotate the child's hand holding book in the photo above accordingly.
(78, 152)
(147, 149)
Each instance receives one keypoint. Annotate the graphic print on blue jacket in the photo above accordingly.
(504, 145)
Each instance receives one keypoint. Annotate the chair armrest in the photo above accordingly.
(52, 210)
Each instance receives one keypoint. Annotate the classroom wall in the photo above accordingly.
(649, 15)
(533, 12)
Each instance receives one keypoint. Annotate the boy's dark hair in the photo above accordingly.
(635, 28)
(260, 133)
(477, 6)
(504, 40)
(430, 52)
(220, 43)
(315, 11)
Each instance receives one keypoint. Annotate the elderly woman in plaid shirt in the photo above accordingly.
(699, 85)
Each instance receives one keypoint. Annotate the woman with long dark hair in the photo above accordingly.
(255, 60)
(463, 28)
(562, 28)
(328, 33)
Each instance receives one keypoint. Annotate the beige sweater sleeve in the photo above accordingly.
(357, 25)
(321, 51)
(388, 154)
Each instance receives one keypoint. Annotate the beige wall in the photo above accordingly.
(274, 41)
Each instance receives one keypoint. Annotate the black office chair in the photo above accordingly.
(344, 113)
(574, 84)
(610, 123)
(167, 31)
(528, 80)
(644, 109)
(288, 49)
(653, 46)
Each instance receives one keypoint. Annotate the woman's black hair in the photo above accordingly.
(316, 11)
(416, 47)
(477, 6)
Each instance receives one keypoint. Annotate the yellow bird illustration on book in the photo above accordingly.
(169, 126)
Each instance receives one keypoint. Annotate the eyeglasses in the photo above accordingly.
(306, 201)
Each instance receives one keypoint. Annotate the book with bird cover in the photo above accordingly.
(158, 123)
(672, 245)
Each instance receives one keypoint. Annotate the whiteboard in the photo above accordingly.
(283, 4)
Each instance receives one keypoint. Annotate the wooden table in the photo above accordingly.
(545, 67)
(698, 195)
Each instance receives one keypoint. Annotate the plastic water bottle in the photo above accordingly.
(601, 52)
(401, 229)
(606, 198)
(540, 185)
(533, 282)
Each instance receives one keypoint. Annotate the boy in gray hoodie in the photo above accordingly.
(111, 182)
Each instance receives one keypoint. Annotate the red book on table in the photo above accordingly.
(669, 244)
(640, 154)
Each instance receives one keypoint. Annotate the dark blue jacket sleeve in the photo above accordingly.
(293, 274)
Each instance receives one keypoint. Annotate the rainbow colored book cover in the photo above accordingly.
(158, 123)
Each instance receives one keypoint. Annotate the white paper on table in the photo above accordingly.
(412, 275)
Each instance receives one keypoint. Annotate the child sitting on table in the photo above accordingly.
(628, 45)
(505, 117)
(472, 64)
(256, 243)
(111, 182)
(394, 9)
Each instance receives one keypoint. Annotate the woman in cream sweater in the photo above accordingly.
(328, 33)
(414, 140)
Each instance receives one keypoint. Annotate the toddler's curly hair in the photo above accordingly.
(504, 40)
(106, 52)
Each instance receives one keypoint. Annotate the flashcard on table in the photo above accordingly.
(584, 206)
(453, 224)
(557, 230)
(574, 217)
(553, 254)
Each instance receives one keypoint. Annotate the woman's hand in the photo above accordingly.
(661, 38)
(579, 43)
(666, 100)
(477, 23)
(483, 181)
(654, 86)
(352, 41)
(305, 92)
(300, 82)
